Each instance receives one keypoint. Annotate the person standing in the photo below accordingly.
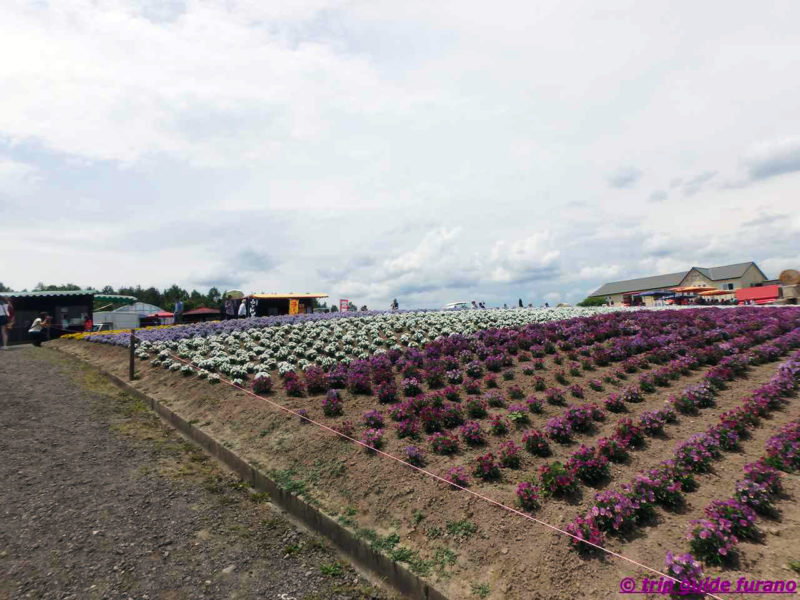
(39, 323)
(5, 320)
(178, 312)
(520, 302)
(88, 324)
(243, 309)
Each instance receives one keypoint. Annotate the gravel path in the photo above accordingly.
(100, 500)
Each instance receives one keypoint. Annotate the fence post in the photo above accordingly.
(132, 347)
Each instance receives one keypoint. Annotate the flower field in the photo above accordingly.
(669, 436)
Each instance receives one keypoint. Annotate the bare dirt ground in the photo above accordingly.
(99, 500)
(478, 551)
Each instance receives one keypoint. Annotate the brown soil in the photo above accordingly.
(507, 555)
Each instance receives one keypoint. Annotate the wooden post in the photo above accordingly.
(132, 348)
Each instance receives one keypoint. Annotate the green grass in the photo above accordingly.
(794, 565)
(481, 590)
(461, 529)
(333, 569)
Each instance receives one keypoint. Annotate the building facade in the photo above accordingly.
(726, 277)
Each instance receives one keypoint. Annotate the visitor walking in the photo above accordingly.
(39, 324)
(230, 309)
(242, 309)
(395, 305)
(520, 302)
(6, 312)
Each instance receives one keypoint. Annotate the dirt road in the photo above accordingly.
(99, 500)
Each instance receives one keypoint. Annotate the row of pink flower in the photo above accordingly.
(665, 484)
(714, 538)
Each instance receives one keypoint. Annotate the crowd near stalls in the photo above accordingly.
(236, 305)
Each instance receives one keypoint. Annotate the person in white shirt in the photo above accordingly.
(41, 322)
(243, 309)
(5, 318)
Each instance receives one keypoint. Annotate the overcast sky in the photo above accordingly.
(428, 151)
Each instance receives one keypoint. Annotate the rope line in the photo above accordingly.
(397, 459)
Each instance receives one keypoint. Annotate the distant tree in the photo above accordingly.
(213, 297)
(65, 287)
(108, 290)
(3, 288)
(593, 301)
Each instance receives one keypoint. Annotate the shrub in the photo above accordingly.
(387, 392)
(509, 455)
(561, 377)
(556, 480)
(632, 395)
(316, 380)
(576, 390)
(518, 414)
(613, 511)
(498, 425)
(588, 465)
(515, 392)
(528, 495)
(373, 419)
(476, 407)
(471, 433)
(652, 422)
(407, 428)
(741, 517)
(262, 383)
(585, 530)
(536, 443)
(755, 495)
(684, 568)
(555, 396)
(430, 418)
(629, 434)
(712, 541)
(292, 385)
(451, 393)
(760, 472)
(490, 381)
(443, 443)
(558, 429)
(494, 399)
(615, 403)
(783, 449)
(373, 438)
(596, 385)
(332, 404)
(535, 405)
(472, 387)
(486, 467)
(411, 386)
(539, 384)
(451, 416)
(579, 417)
(414, 456)
(457, 476)
(694, 454)
(612, 449)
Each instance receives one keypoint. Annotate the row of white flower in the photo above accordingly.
(296, 346)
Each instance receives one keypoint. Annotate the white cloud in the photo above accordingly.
(17, 178)
(430, 151)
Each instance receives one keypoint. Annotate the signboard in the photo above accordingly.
(344, 304)
(294, 306)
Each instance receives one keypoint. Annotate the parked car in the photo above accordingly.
(455, 305)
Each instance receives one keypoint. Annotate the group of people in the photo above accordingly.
(230, 310)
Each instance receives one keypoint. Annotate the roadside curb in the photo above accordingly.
(390, 573)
